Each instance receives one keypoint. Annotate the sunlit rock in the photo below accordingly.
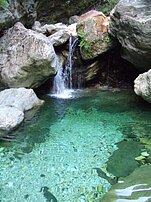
(21, 98)
(92, 29)
(13, 104)
(27, 58)
(10, 117)
(142, 86)
(131, 24)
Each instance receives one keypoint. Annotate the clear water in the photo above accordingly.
(54, 155)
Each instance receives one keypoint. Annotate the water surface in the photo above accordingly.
(55, 155)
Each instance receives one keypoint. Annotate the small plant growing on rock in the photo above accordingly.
(3, 3)
(84, 44)
(107, 39)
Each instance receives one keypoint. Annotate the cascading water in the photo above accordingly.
(68, 67)
(62, 86)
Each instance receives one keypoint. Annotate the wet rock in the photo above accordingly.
(10, 117)
(21, 98)
(131, 24)
(27, 58)
(142, 86)
(17, 10)
(92, 70)
(92, 29)
(135, 187)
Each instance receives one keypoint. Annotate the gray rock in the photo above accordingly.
(131, 24)
(48, 28)
(59, 37)
(21, 98)
(142, 86)
(13, 104)
(27, 58)
(17, 10)
(73, 19)
(10, 117)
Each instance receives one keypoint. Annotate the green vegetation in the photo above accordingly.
(3, 3)
(107, 6)
(84, 44)
(108, 39)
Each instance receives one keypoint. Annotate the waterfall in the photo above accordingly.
(68, 67)
(62, 85)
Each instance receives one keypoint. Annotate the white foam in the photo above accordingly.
(66, 94)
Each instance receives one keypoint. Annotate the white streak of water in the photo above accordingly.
(62, 86)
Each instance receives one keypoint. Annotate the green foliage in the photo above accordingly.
(3, 3)
(107, 6)
(84, 44)
(108, 39)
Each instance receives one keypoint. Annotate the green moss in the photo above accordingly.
(85, 45)
(108, 39)
(3, 3)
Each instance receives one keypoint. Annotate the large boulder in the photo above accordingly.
(17, 10)
(10, 117)
(92, 29)
(13, 104)
(142, 86)
(131, 24)
(27, 58)
(21, 98)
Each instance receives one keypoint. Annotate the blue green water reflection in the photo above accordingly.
(55, 154)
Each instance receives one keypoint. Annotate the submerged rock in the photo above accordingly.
(13, 104)
(92, 28)
(123, 162)
(27, 58)
(142, 86)
(131, 24)
(135, 187)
